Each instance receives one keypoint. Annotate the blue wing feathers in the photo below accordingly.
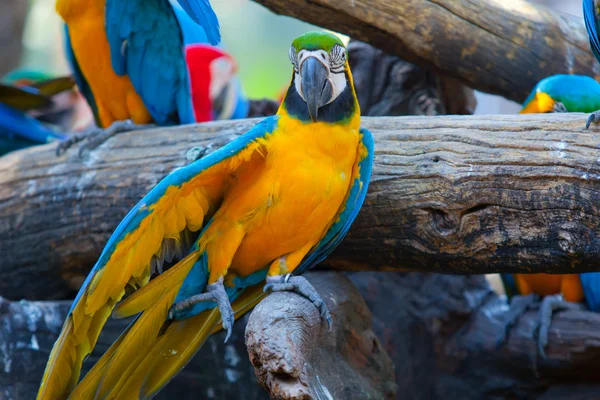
(15, 124)
(591, 289)
(134, 218)
(590, 16)
(203, 14)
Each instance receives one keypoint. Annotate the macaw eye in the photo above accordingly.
(337, 59)
(294, 58)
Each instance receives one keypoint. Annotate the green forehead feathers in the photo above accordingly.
(317, 41)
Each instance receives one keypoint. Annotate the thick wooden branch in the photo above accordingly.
(482, 43)
(448, 194)
(295, 356)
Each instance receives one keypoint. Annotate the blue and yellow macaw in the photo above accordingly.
(558, 93)
(563, 93)
(129, 60)
(19, 102)
(266, 207)
(591, 16)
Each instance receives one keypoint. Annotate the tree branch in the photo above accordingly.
(448, 194)
(480, 43)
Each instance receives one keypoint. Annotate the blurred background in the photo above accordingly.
(43, 43)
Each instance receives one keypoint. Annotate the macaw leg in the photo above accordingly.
(518, 307)
(214, 292)
(592, 119)
(299, 285)
(550, 304)
(96, 136)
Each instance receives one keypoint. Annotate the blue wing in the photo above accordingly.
(82, 83)
(203, 14)
(340, 228)
(146, 44)
(591, 289)
(590, 15)
(178, 178)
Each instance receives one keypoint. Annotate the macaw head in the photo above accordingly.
(563, 93)
(322, 88)
(212, 72)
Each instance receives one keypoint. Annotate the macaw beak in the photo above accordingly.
(315, 85)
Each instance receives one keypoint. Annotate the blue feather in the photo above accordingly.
(591, 289)
(203, 14)
(15, 124)
(510, 286)
(146, 44)
(590, 16)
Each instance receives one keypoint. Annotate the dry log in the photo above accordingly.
(442, 332)
(481, 43)
(296, 357)
(448, 194)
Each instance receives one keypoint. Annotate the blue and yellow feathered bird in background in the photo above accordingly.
(130, 62)
(266, 207)
(557, 93)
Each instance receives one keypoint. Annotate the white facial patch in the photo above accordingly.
(333, 62)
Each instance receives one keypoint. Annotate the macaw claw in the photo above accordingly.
(592, 119)
(550, 304)
(96, 136)
(214, 292)
(301, 286)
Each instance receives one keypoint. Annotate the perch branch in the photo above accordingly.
(481, 43)
(448, 194)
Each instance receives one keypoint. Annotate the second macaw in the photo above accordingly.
(139, 62)
(266, 207)
(22, 108)
(591, 16)
(558, 93)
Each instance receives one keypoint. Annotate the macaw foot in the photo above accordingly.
(518, 307)
(550, 304)
(299, 285)
(214, 292)
(593, 119)
(96, 136)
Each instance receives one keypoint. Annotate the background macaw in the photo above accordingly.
(129, 60)
(27, 113)
(266, 207)
(558, 93)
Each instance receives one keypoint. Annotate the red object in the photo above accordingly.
(199, 58)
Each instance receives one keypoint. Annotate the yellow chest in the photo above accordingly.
(292, 196)
(115, 96)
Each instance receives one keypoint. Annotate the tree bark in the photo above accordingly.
(448, 194)
(480, 43)
(295, 356)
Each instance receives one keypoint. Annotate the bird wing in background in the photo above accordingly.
(590, 16)
(203, 14)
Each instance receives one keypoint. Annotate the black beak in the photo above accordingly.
(315, 86)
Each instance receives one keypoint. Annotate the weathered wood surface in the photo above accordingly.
(295, 356)
(441, 332)
(449, 194)
(482, 43)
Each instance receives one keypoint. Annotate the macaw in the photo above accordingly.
(591, 17)
(23, 109)
(558, 93)
(563, 93)
(264, 208)
(129, 60)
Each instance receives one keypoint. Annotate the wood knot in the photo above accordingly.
(444, 223)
